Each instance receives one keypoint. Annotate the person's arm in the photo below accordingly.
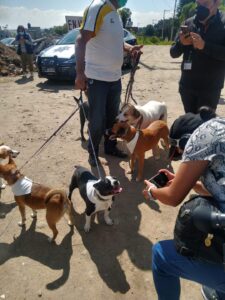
(81, 42)
(200, 189)
(184, 180)
(182, 40)
(213, 50)
(28, 40)
(133, 50)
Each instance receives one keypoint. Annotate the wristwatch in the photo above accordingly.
(150, 193)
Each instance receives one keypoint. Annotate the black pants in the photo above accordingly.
(194, 99)
(104, 101)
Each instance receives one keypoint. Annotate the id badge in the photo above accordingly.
(188, 65)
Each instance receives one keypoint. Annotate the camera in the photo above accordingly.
(159, 180)
(206, 220)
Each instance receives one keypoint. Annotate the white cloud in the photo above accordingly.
(14, 16)
(141, 19)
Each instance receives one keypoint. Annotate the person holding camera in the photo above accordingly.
(202, 43)
(200, 140)
(25, 50)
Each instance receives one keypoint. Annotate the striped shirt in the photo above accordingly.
(104, 52)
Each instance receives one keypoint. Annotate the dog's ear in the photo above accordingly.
(136, 113)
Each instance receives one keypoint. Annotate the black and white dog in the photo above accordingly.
(97, 194)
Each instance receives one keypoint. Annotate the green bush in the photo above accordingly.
(153, 40)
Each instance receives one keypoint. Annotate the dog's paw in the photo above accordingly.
(34, 215)
(22, 223)
(51, 240)
(70, 222)
(87, 228)
(109, 221)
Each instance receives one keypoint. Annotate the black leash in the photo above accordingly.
(50, 138)
(131, 81)
(81, 106)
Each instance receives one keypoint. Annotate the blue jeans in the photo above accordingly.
(104, 101)
(168, 266)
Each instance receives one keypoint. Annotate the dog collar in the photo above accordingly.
(132, 144)
(139, 123)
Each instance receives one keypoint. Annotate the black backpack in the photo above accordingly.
(193, 241)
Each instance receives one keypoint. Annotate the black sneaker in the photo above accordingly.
(92, 161)
(209, 293)
(116, 152)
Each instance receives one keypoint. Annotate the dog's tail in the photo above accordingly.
(163, 116)
(62, 193)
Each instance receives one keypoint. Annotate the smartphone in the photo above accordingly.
(159, 180)
(184, 29)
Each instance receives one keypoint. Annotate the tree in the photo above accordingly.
(187, 11)
(183, 3)
(149, 30)
(60, 30)
(125, 14)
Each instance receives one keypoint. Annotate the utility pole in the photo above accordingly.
(154, 21)
(164, 12)
(174, 13)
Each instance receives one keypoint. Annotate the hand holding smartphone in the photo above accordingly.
(159, 180)
(185, 30)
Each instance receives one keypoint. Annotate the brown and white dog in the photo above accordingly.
(140, 141)
(142, 116)
(5, 152)
(36, 196)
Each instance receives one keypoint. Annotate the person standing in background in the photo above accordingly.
(25, 50)
(202, 44)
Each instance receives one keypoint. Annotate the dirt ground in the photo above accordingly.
(110, 262)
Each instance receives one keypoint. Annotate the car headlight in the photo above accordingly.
(70, 61)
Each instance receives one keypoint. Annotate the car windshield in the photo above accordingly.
(69, 38)
(7, 41)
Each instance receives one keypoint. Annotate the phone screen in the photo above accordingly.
(160, 180)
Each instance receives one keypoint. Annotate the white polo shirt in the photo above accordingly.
(104, 52)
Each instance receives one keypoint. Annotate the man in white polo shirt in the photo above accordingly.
(99, 58)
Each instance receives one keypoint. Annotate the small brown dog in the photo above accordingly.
(36, 196)
(5, 152)
(140, 141)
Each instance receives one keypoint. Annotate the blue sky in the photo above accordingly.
(47, 13)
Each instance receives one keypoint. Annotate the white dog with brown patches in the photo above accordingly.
(142, 116)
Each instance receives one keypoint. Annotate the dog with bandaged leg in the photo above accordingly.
(98, 194)
(36, 196)
(142, 116)
(140, 141)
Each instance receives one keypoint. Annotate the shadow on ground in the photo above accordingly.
(34, 245)
(106, 244)
(56, 86)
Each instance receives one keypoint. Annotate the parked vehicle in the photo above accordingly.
(58, 61)
(10, 42)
